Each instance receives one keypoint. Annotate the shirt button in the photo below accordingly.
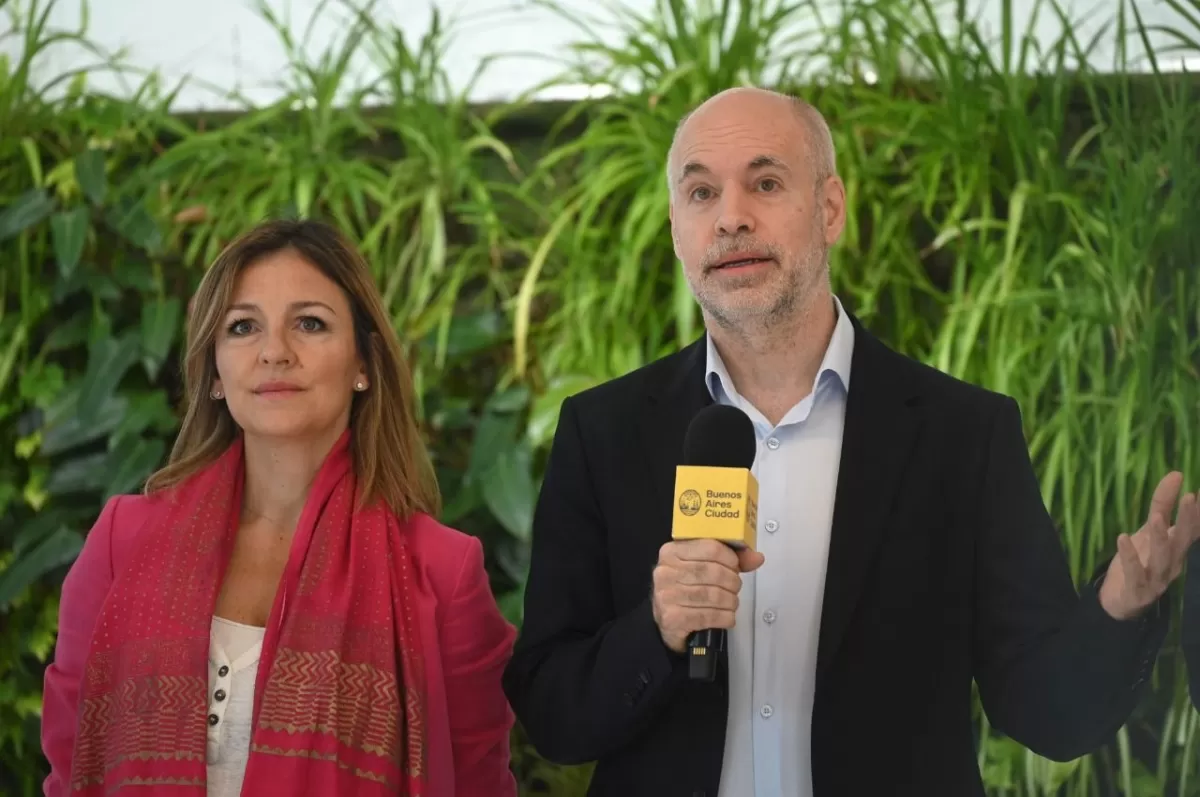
(772, 443)
(766, 711)
(223, 671)
(213, 719)
(772, 526)
(769, 616)
(219, 695)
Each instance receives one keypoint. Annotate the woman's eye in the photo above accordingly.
(311, 324)
(241, 327)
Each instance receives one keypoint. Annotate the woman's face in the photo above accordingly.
(286, 357)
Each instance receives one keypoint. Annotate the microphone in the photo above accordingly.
(716, 498)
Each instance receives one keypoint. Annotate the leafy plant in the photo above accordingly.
(88, 330)
(1018, 221)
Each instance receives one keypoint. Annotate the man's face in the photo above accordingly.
(750, 223)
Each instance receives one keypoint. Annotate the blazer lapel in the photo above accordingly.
(880, 428)
(675, 400)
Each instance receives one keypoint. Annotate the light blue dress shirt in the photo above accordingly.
(773, 645)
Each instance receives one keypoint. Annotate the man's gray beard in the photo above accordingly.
(801, 283)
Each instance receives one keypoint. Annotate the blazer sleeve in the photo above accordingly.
(584, 679)
(1055, 671)
(1191, 624)
(83, 595)
(476, 644)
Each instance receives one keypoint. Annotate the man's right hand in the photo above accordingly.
(696, 585)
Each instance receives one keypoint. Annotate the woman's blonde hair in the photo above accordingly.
(390, 458)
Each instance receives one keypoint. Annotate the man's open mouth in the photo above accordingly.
(741, 262)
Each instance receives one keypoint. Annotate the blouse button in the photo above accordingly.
(213, 719)
(219, 695)
(223, 671)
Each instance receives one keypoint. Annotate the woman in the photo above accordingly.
(280, 613)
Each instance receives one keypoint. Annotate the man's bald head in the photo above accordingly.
(819, 141)
(755, 206)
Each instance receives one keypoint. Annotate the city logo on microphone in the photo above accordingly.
(689, 502)
(716, 503)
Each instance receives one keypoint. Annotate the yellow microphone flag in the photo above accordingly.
(715, 504)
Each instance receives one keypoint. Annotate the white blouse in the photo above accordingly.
(232, 667)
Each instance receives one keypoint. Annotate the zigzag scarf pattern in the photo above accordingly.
(340, 699)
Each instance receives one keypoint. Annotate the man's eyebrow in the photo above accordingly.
(758, 163)
(692, 167)
(768, 162)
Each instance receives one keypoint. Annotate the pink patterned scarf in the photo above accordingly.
(340, 700)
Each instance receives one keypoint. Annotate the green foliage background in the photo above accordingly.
(1018, 222)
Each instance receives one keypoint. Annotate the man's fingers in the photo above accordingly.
(1189, 520)
(749, 561)
(705, 551)
(712, 618)
(704, 598)
(1186, 531)
(1131, 565)
(685, 620)
(1159, 553)
(1165, 496)
(709, 574)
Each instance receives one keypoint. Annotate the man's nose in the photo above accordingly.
(734, 217)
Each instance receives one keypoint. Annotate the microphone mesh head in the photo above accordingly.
(720, 436)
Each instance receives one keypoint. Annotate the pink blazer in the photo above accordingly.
(466, 639)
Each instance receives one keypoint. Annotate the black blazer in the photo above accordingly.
(943, 567)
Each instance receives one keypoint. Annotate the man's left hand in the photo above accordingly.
(1147, 562)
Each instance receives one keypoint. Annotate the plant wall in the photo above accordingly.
(1018, 221)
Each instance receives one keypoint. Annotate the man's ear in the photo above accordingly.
(832, 198)
(674, 232)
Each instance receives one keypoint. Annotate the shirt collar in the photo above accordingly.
(835, 363)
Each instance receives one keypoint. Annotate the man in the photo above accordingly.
(904, 546)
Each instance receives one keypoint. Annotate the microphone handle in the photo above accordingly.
(704, 649)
